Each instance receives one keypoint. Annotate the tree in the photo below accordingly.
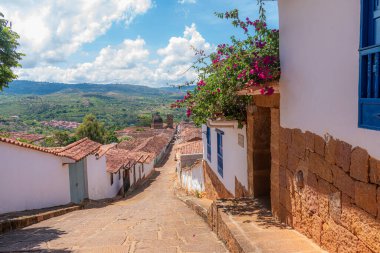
(59, 139)
(9, 57)
(91, 128)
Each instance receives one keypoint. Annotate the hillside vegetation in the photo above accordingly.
(117, 105)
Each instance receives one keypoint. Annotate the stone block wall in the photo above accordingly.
(214, 188)
(326, 189)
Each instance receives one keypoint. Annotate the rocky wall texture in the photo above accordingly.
(326, 189)
(240, 190)
(214, 188)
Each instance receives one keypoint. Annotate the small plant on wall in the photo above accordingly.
(252, 62)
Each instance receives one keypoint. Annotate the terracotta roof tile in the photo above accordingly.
(23, 136)
(190, 148)
(188, 134)
(104, 149)
(26, 145)
(117, 158)
(79, 149)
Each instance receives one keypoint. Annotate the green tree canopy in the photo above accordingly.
(9, 57)
(91, 128)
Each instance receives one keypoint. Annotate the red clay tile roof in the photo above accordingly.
(79, 149)
(26, 145)
(190, 148)
(104, 149)
(117, 158)
(75, 151)
(23, 136)
(190, 134)
(154, 144)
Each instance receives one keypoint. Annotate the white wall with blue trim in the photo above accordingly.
(234, 155)
(319, 50)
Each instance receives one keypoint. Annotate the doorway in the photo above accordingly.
(78, 181)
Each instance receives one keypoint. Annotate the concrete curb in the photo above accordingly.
(24, 221)
(200, 210)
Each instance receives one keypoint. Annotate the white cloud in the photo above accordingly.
(187, 1)
(130, 62)
(53, 30)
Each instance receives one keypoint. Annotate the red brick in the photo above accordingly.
(298, 143)
(365, 197)
(343, 155)
(309, 138)
(330, 151)
(359, 164)
(319, 166)
(374, 170)
(319, 145)
(343, 181)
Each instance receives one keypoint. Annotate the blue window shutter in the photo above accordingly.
(369, 83)
(220, 152)
(208, 139)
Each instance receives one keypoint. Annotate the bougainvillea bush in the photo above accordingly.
(249, 63)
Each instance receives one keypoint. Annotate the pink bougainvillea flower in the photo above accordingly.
(252, 72)
(218, 90)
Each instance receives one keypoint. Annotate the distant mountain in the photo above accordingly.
(182, 89)
(21, 87)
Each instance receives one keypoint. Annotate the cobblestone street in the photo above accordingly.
(151, 220)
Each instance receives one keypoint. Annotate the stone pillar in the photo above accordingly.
(275, 166)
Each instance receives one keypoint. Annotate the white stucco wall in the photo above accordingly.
(31, 179)
(192, 179)
(148, 168)
(319, 42)
(234, 156)
(99, 180)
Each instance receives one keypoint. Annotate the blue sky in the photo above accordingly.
(121, 41)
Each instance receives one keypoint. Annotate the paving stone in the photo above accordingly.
(152, 220)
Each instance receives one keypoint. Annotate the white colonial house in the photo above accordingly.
(33, 177)
(225, 159)
(189, 167)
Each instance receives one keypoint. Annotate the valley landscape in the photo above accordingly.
(25, 105)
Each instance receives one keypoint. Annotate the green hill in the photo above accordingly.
(117, 105)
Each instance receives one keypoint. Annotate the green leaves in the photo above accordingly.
(247, 63)
(9, 57)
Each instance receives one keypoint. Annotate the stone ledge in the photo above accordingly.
(245, 225)
(24, 221)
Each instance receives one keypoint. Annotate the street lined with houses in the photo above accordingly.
(150, 220)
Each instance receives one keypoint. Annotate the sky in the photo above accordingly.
(142, 42)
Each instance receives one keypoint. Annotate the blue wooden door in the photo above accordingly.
(78, 181)
(375, 23)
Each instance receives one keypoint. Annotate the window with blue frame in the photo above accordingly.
(220, 151)
(369, 83)
(208, 138)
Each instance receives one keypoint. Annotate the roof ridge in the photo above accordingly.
(72, 145)
(27, 145)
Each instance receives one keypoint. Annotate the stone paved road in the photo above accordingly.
(153, 220)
